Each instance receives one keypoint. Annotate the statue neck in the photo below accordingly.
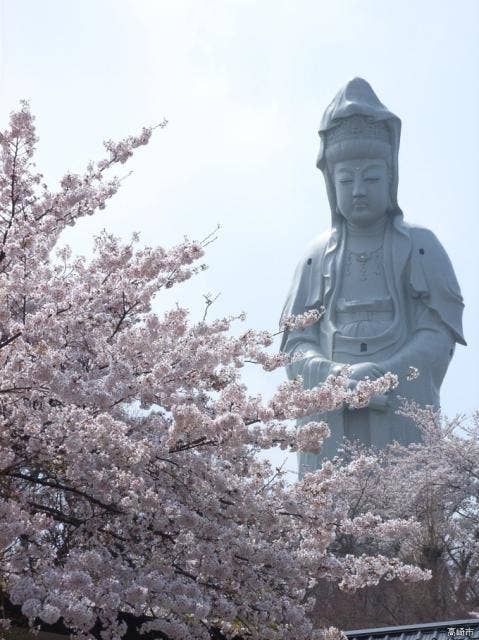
(359, 239)
(375, 229)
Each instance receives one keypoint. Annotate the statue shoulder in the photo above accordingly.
(316, 248)
(419, 232)
(426, 243)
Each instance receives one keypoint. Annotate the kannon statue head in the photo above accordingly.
(358, 156)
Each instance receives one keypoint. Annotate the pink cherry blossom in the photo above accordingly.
(164, 511)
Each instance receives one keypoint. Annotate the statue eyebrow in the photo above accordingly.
(373, 166)
(352, 169)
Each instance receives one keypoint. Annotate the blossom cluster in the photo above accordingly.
(418, 503)
(165, 512)
(303, 320)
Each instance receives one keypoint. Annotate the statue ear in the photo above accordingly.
(390, 181)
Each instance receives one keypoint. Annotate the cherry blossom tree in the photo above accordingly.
(435, 483)
(168, 515)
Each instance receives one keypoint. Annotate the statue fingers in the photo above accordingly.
(379, 403)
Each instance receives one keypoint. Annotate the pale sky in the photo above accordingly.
(243, 84)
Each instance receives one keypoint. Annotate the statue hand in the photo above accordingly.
(379, 403)
(362, 370)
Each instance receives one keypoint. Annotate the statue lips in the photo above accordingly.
(360, 203)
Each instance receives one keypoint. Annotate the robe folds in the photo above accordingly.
(427, 322)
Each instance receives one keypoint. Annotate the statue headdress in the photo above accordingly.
(357, 125)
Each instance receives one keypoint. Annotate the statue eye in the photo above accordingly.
(346, 180)
(372, 179)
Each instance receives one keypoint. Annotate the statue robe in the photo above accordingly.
(427, 323)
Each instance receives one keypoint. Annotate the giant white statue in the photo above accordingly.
(392, 300)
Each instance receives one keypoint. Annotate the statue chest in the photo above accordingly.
(362, 275)
(364, 305)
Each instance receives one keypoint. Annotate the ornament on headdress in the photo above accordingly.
(358, 136)
(355, 127)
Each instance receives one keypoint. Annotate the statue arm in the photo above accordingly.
(432, 281)
(313, 366)
(436, 311)
(306, 293)
(431, 347)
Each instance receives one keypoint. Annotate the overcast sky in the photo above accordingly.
(243, 84)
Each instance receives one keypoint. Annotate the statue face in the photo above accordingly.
(362, 190)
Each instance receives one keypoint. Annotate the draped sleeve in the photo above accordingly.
(433, 281)
(306, 290)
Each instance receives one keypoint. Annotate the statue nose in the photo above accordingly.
(359, 187)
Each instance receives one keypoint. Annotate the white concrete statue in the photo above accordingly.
(391, 297)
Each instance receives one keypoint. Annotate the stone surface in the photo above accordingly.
(391, 297)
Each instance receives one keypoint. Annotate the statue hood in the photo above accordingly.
(358, 98)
